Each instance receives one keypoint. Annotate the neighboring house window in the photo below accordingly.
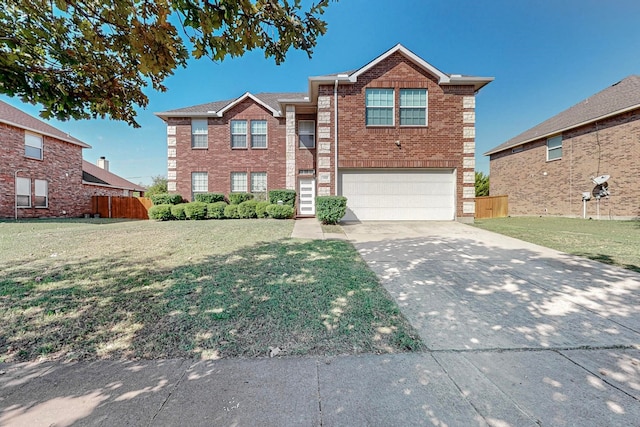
(413, 107)
(199, 183)
(379, 103)
(258, 134)
(199, 133)
(41, 199)
(238, 182)
(23, 192)
(307, 133)
(238, 134)
(517, 149)
(554, 148)
(33, 146)
(258, 182)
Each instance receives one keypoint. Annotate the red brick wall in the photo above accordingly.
(219, 159)
(61, 167)
(438, 145)
(538, 187)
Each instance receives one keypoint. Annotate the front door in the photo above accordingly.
(307, 196)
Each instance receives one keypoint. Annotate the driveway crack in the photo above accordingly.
(173, 389)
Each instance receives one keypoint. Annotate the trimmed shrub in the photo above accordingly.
(237, 198)
(160, 212)
(259, 197)
(288, 197)
(231, 211)
(166, 199)
(247, 209)
(280, 211)
(195, 210)
(261, 209)
(216, 210)
(209, 197)
(178, 211)
(330, 209)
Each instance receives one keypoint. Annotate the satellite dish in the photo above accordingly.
(599, 180)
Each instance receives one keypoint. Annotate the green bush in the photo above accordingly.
(216, 210)
(261, 209)
(247, 209)
(209, 197)
(288, 197)
(166, 199)
(195, 210)
(259, 197)
(231, 211)
(178, 211)
(280, 211)
(237, 198)
(160, 212)
(330, 209)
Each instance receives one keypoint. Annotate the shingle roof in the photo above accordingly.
(617, 98)
(98, 175)
(268, 98)
(14, 117)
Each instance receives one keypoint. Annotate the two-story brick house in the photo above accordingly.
(396, 137)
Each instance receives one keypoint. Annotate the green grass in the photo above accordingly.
(611, 242)
(100, 289)
(331, 228)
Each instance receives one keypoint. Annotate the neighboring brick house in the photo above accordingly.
(98, 181)
(396, 137)
(546, 169)
(41, 170)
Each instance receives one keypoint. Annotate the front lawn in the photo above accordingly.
(611, 242)
(102, 289)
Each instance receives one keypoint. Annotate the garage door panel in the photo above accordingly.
(399, 194)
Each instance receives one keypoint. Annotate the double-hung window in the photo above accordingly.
(238, 182)
(33, 146)
(42, 194)
(307, 133)
(379, 107)
(23, 192)
(199, 133)
(199, 183)
(238, 134)
(258, 182)
(554, 148)
(413, 107)
(258, 134)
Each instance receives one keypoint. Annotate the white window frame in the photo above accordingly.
(413, 107)
(368, 107)
(307, 133)
(258, 182)
(33, 141)
(23, 189)
(239, 178)
(41, 190)
(254, 134)
(554, 145)
(199, 133)
(199, 183)
(237, 134)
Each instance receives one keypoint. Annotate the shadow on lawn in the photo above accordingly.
(607, 259)
(303, 297)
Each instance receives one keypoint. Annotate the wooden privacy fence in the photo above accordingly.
(492, 207)
(121, 207)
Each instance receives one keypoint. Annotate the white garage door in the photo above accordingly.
(398, 194)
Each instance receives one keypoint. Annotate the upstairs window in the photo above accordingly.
(33, 146)
(307, 133)
(379, 107)
(238, 134)
(258, 134)
(554, 148)
(413, 107)
(23, 192)
(41, 199)
(238, 182)
(199, 133)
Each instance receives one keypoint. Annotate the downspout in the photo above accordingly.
(335, 137)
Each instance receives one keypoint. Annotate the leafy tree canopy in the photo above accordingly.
(92, 58)
(482, 184)
(158, 186)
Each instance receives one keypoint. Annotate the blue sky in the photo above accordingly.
(545, 55)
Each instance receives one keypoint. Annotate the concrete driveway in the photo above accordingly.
(522, 330)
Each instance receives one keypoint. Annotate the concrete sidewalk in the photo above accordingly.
(310, 228)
